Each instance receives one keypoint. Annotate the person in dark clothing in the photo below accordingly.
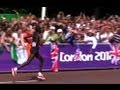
(115, 40)
(34, 52)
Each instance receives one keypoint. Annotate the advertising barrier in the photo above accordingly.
(71, 57)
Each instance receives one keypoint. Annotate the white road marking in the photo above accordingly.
(8, 82)
(27, 81)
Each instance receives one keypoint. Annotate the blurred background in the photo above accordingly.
(99, 8)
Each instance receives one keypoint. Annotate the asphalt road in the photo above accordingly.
(65, 77)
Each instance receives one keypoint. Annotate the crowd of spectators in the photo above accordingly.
(65, 28)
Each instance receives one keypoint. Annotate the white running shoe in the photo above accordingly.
(56, 70)
(40, 76)
(14, 71)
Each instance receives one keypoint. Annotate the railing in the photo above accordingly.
(74, 57)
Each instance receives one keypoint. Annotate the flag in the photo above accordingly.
(18, 54)
(13, 52)
(54, 57)
(55, 66)
(116, 54)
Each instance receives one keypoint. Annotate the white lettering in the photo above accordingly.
(102, 56)
(69, 58)
(99, 56)
(61, 56)
(87, 57)
(66, 57)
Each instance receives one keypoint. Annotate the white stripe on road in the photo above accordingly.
(8, 82)
(28, 81)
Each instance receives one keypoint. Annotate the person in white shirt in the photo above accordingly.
(90, 39)
(104, 35)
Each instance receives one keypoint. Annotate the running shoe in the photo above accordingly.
(14, 71)
(40, 76)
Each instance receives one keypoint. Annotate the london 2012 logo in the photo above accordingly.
(112, 55)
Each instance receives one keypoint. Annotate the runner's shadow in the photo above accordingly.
(35, 78)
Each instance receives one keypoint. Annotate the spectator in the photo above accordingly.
(65, 29)
(60, 36)
(91, 39)
(51, 35)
